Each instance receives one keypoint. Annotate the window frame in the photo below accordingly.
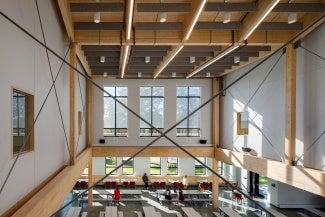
(151, 167)
(198, 166)
(188, 131)
(118, 132)
(242, 125)
(110, 167)
(152, 132)
(125, 166)
(28, 123)
(169, 167)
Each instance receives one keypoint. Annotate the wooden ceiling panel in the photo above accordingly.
(209, 37)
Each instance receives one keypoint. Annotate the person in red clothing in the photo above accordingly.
(117, 195)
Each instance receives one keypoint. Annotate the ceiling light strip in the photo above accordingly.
(260, 20)
(196, 17)
(214, 59)
(129, 22)
(125, 57)
(179, 48)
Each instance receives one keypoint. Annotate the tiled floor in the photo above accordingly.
(246, 208)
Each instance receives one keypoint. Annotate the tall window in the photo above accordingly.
(128, 168)
(110, 164)
(115, 115)
(242, 123)
(199, 168)
(22, 119)
(155, 166)
(188, 99)
(172, 166)
(152, 110)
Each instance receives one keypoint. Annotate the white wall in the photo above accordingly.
(311, 101)
(267, 107)
(286, 196)
(134, 138)
(23, 65)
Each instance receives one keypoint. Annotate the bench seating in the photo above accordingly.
(109, 200)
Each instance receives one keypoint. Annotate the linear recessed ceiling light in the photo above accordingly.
(198, 12)
(126, 51)
(129, 23)
(260, 20)
(179, 48)
(214, 59)
(226, 17)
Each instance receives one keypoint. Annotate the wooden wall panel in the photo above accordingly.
(304, 178)
(127, 151)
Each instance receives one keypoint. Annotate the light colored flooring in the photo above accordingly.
(245, 208)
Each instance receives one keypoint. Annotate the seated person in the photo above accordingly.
(185, 183)
(200, 188)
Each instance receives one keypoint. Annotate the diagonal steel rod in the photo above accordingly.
(162, 134)
(52, 77)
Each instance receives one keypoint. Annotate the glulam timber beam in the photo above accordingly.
(174, 38)
(290, 122)
(81, 56)
(128, 151)
(50, 198)
(304, 178)
(254, 19)
(72, 104)
(65, 13)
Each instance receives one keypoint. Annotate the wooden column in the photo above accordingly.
(89, 114)
(215, 140)
(90, 182)
(72, 139)
(290, 124)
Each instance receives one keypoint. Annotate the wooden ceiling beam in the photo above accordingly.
(158, 26)
(216, 6)
(252, 20)
(196, 10)
(218, 26)
(66, 18)
(83, 61)
(198, 38)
